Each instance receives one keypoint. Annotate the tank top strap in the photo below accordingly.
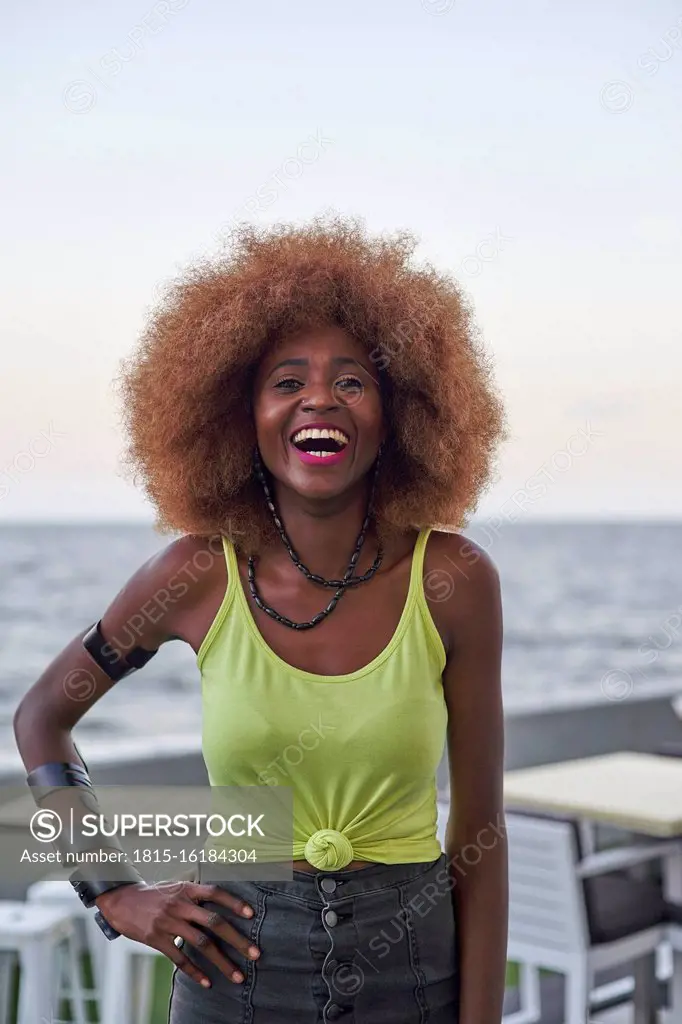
(417, 594)
(417, 572)
(231, 563)
(230, 591)
(416, 602)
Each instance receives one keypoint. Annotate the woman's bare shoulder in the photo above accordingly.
(463, 558)
(461, 584)
(178, 578)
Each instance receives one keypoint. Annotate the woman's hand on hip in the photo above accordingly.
(158, 914)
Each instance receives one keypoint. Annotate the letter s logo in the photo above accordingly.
(46, 826)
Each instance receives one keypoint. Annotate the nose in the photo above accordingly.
(318, 396)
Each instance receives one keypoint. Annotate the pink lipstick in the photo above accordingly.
(320, 444)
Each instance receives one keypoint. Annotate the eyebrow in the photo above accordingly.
(339, 360)
(289, 362)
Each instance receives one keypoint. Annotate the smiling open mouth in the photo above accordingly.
(320, 443)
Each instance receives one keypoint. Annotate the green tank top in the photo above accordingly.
(360, 751)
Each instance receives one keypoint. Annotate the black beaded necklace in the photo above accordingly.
(341, 585)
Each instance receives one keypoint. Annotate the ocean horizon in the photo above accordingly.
(593, 612)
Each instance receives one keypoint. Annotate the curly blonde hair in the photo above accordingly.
(186, 388)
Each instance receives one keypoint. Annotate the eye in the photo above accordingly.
(349, 383)
(288, 384)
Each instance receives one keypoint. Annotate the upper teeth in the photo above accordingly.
(313, 432)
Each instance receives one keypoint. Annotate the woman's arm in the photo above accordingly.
(153, 606)
(476, 845)
(175, 594)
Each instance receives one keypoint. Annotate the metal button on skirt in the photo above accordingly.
(370, 946)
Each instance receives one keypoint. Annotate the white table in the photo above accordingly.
(638, 792)
(641, 792)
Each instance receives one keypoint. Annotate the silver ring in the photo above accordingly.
(178, 942)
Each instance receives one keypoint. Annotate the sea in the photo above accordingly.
(593, 612)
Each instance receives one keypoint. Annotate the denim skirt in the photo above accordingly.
(374, 945)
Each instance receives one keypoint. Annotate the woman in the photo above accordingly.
(311, 407)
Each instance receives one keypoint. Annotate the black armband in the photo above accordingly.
(108, 929)
(44, 779)
(88, 888)
(114, 663)
(71, 779)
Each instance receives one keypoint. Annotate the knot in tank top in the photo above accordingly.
(360, 750)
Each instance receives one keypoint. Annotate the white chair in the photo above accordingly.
(123, 970)
(674, 938)
(126, 992)
(43, 939)
(575, 916)
(60, 893)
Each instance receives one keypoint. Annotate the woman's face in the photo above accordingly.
(318, 411)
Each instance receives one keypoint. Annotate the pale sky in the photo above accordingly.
(535, 148)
